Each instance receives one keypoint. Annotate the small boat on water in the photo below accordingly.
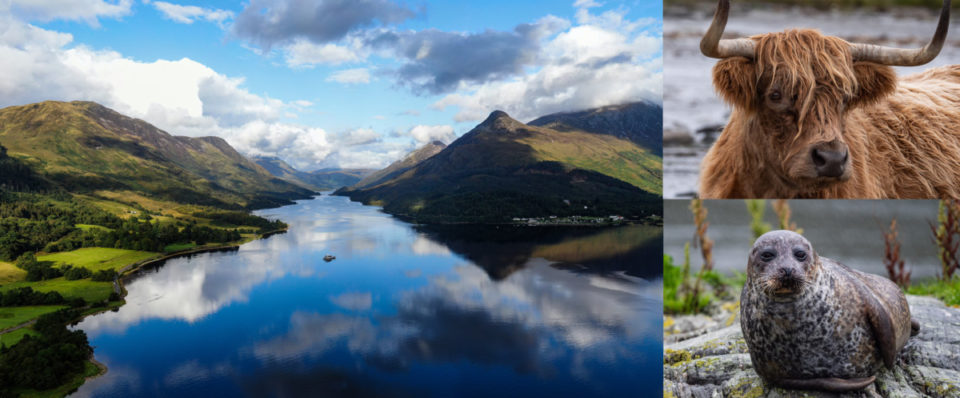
(328, 258)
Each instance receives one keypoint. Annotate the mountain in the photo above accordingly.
(319, 180)
(16, 176)
(639, 122)
(399, 167)
(503, 169)
(86, 147)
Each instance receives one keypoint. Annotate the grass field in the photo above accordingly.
(14, 337)
(178, 247)
(13, 316)
(948, 292)
(87, 227)
(98, 258)
(85, 288)
(10, 273)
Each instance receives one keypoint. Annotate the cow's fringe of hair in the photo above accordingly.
(801, 64)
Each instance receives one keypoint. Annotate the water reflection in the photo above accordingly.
(502, 250)
(464, 316)
(403, 311)
(192, 288)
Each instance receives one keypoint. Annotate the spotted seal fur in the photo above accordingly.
(815, 324)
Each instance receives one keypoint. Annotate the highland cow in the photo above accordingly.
(815, 116)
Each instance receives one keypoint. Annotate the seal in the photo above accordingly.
(813, 323)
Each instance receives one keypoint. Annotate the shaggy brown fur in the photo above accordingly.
(805, 92)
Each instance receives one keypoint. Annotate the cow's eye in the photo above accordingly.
(775, 96)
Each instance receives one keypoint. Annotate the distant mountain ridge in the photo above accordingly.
(84, 147)
(640, 122)
(319, 180)
(504, 168)
(399, 167)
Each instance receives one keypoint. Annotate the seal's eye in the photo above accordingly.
(768, 255)
(800, 255)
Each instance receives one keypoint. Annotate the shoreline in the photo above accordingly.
(413, 220)
(130, 270)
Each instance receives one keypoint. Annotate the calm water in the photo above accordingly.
(403, 311)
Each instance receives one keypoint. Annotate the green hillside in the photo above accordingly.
(503, 169)
(399, 167)
(640, 122)
(85, 147)
(85, 194)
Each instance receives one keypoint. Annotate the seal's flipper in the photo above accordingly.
(831, 384)
(880, 322)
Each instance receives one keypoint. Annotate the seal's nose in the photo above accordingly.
(787, 272)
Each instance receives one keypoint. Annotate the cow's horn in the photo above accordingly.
(712, 46)
(906, 57)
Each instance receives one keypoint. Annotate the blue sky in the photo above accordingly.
(331, 83)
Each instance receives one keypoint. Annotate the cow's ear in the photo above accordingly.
(874, 82)
(735, 79)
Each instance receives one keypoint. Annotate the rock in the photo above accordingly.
(717, 364)
(685, 327)
(677, 138)
(710, 133)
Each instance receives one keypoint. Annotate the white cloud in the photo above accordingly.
(182, 97)
(424, 134)
(231, 105)
(302, 53)
(604, 60)
(302, 103)
(189, 14)
(586, 4)
(549, 65)
(358, 137)
(350, 76)
(375, 155)
(88, 11)
(33, 69)
(590, 42)
(301, 146)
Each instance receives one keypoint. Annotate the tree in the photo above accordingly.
(27, 261)
(107, 275)
(75, 273)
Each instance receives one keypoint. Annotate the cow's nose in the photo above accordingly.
(829, 163)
